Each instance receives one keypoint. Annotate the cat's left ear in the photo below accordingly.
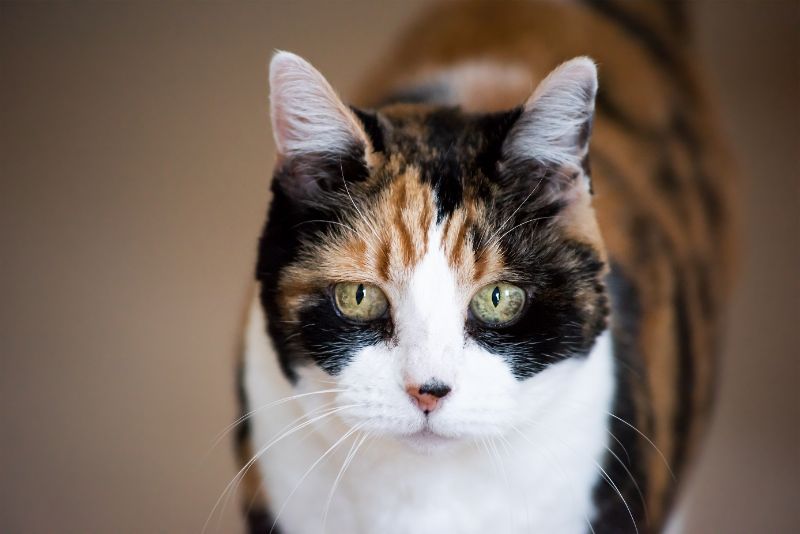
(317, 136)
(556, 121)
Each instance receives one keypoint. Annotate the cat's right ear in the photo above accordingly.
(556, 122)
(319, 140)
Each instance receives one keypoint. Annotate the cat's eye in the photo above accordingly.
(359, 301)
(498, 304)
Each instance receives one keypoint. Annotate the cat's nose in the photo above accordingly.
(428, 395)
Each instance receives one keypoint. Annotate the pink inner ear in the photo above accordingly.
(554, 124)
(307, 114)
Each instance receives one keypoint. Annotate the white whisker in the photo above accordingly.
(278, 402)
(619, 493)
(243, 471)
(557, 465)
(363, 218)
(328, 222)
(611, 483)
(308, 472)
(633, 479)
(533, 191)
(664, 458)
(348, 459)
(522, 224)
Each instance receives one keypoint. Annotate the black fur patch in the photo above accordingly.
(331, 340)
(565, 312)
(243, 431)
(260, 521)
(457, 151)
(445, 168)
(623, 463)
(290, 224)
(372, 128)
(685, 381)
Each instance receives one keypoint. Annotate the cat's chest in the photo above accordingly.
(509, 487)
(489, 491)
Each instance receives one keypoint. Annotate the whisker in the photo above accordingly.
(243, 471)
(499, 228)
(635, 484)
(323, 381)
(503, 473)
(327, 222)
(509, 447)
(278, 402)
(628, 456)
(230, 491)
(491, 239)
(664, 458)
(557, 465)
(308, 472)
(293, 431)
(493, 447)
(619, 493)
(522, 224)
(344, 181)
(611, 483)
(488, 454)
(348, 459)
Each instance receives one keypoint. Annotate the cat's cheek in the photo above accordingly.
(373, 394)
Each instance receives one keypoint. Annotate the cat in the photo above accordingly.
(468, 321)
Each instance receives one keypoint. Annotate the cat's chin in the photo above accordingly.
(428, 442)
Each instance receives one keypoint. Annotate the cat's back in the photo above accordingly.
(662, 180)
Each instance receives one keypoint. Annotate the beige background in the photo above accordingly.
(134, 158)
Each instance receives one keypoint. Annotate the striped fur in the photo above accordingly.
(662, 195)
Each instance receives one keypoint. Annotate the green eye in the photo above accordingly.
(498, 304)
(360, 302)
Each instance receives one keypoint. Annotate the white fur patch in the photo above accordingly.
(498, 455)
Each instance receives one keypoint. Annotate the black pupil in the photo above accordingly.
(360, 294)
(496, 296)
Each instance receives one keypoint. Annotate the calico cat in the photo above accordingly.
(467, 320)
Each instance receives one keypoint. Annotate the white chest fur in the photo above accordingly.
(537, 478)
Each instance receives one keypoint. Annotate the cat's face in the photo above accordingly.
(443, 269)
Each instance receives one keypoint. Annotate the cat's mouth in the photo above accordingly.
(428, 441)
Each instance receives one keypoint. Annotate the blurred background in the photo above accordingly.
(135, 154)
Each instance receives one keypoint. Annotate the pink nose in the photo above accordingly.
(428, 395)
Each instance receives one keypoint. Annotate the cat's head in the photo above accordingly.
(436, 265)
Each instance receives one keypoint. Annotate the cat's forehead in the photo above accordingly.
(385, 243)
(452, 153)
(424, 133)
(422, 122)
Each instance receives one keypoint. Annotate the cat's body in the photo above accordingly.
(573, 416)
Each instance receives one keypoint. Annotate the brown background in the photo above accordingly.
(134, 158)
